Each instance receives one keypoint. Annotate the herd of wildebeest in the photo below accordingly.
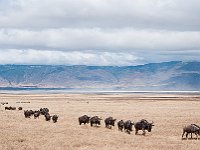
(143, 125)
(122, 125)
(125, 126)
(34, 113)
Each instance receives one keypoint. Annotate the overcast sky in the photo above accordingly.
(99, 32)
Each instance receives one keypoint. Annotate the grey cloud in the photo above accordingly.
(164, 56)
(113, 32)
(98, 39)
(152, 14)
(13, 56)
(53, 57)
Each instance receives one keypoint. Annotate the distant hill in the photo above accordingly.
(175, 75)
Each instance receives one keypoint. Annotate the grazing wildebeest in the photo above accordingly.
(19, 108)
(95, 120)
(31, 112)
(193, 128)
(83, 119)
(7, 108)
(47, 117)
(44, 111)
(128, 126)
(120, 125)
(3, 103)
(143, 125)
(55, 118)
(10, 108)
(13, 108)
(36, 114)
(27, 113)
(109, 122)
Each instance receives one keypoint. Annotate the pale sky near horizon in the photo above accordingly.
(99, 32)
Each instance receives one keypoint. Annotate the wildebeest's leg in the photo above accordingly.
(196, 135)
(91, 124)
(186, 135)
(183, 134)
(191, 135)
(136, 131)
(143, 132)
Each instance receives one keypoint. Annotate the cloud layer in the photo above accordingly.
(36, 57)
(88, 39)
(98, 32)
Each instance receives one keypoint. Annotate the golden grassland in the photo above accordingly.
(170, 114)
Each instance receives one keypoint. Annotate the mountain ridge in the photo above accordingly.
(174, 75)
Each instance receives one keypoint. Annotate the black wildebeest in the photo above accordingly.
(47, 117)
(7, 108)
(3, 103)
(19, 108)
(13, 108)
(55, 118)
(193, 128)
(128, 126)
(36, 114)
(120, 125)
(143, 125)
(83, 119)
(44, 111)
(10, 108)
(31, 112)
(27, 113)
(95, 120)
(109, 122)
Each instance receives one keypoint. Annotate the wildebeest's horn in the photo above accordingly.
(152, 122)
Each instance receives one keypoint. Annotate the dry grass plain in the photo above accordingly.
(169, 113)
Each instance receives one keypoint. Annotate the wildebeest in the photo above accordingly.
(27, 113)
(120, 125)
(36, 114)
(193, 128)
(109, 122)
(83, 119)
(95, 120)
(55, 118)
(13, 108)
(47, 117)
(3, 103)
(10, 108)
(31, 112)
(19, 108)
(128, 126)
(7, 108)
(44, 111)
(143, 125)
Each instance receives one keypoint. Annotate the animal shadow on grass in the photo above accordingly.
(21, 140)
(96, 126)
(141, 134)
(109, 127)
(190, 139)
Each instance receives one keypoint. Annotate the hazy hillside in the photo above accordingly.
(156, 76)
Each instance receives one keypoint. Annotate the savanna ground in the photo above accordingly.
(170, 114)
